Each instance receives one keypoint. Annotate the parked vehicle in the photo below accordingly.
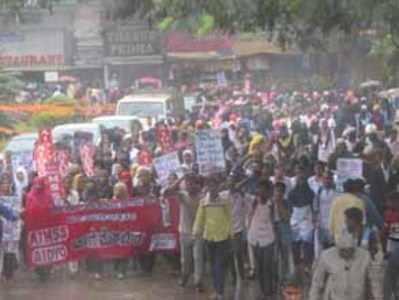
(19, 151)
(22, 143)
(151, 107)
(122, 122)
(68, 130)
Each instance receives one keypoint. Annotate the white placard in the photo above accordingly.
(210, 154)
(11, 230)
(166, 164)
(350, 167)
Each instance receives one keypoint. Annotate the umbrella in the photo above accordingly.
(370, 84)
(389, 93)
(67, 79)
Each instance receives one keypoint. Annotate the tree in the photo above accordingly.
(304, 22)
(10, 86)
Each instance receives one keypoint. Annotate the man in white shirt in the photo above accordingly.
(279, 176)
(316, 181)
(322, 206)
(261, 237)
(187, 191)
(343, 272)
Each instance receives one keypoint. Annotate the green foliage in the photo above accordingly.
(60, 100)
(387, 54)
(6, 121)
(24, 127)
(46, 120)
(166, 23)
(304, 22)
(9, 87)
(207, 23)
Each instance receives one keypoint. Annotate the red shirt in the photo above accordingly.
(391, 218)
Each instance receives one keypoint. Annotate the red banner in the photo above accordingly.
(100, 230)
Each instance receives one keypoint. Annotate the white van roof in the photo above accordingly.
(115, 118)
(145, 98)
(78, 126)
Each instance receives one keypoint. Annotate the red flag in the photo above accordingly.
(164, 138)
(47, 164)
(44, 151)
(63, 159)
(87, 153)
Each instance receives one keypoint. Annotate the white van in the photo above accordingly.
(122, 122)
(151, 105)
(61, 131)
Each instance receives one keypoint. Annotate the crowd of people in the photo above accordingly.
(279, 213)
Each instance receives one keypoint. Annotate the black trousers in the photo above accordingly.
(9, 265)
(264, 268)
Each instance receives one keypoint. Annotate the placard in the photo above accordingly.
(166, 164)
(350, 167)
(11, 231)
(210, 154)
(21, 159)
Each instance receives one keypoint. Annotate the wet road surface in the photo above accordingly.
(160, 285)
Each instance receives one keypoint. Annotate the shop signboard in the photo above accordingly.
(132, 41)
(32, 48)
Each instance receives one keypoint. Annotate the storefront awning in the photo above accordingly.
(140, 60)
(199, 56)
(41, 68)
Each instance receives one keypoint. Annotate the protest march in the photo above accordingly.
(280, 198)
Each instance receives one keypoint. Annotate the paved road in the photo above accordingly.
(161, 285)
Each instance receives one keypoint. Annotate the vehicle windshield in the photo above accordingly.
(142, 109)
(109, 124)
(60, 133)
(21, 145)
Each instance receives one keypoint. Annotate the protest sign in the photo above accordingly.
(11, 231)
(210, 154)
(166, 164)
(350, 167)
(101, 230)
(22, 159)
